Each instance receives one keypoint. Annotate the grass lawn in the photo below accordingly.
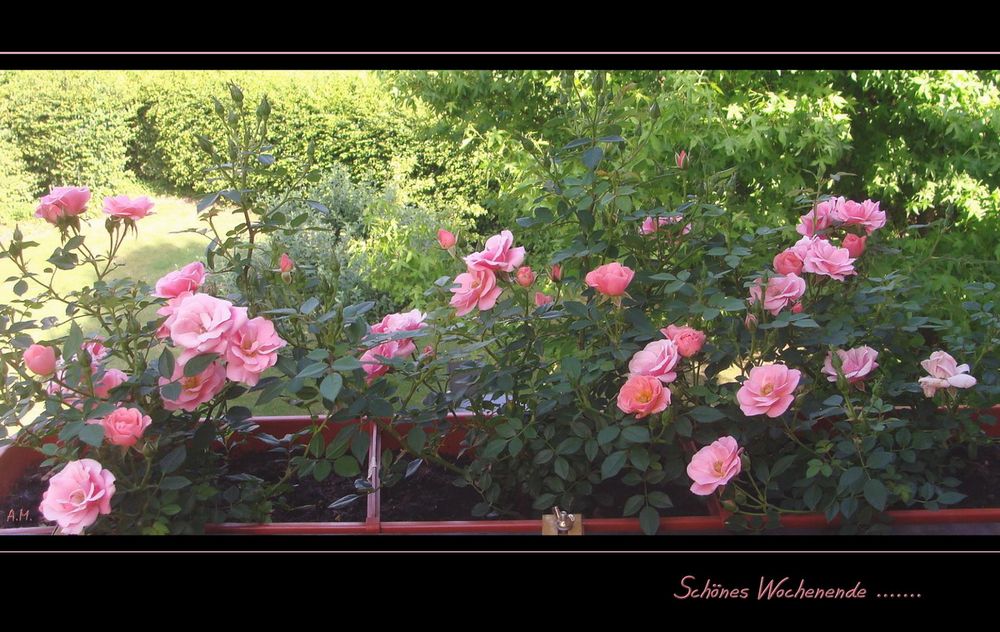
(157, 250)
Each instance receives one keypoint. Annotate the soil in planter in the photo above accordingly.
(20, 507)
(429, 494)
(309, 499)
(981, 481)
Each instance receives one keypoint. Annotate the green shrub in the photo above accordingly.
(15, 182)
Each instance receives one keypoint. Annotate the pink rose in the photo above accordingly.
(406, 321)
(122, 206)
(797, 307)
(187, 279)
(855, 364)
(525, 277)
(855, 245)
(252, 349)
(477, 288)
(643, 395)
(652, 224)
(556, 273)
(657, 359)
(285, 264)
(781, 292)
(542, 299)
(865, 214)
(611, 279)
(62, 202)
(124, 426)
(750, 322)
(498, 255)
(197, 389)
(714, 465)
(96, 349)
(768, 390)
(77, 495)
(828, 260)
(788, 262)
(945, 372)
(820, 218)
(689, 340)
(391, 349)
(40, 360)
(203, 323)
(446, 239)
(112, 378)
(804, 246)
(170, 310)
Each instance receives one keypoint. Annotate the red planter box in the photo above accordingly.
(13, 462)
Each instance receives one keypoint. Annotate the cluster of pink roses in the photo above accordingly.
(815, 254)
(96, 381)
(651, 368)
(392, 349)
(478, 286)
(64, 203)
(199, 323)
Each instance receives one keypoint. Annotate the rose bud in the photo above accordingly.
(525, 276)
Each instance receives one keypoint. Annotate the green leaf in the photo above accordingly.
(649, 520)
(92, 434)
(171, 391)
(415, 439)
(173, 460)
(805, 322)
(347, 364)
(174, 482)
(812, 496)
(634, 504)
(20, 287)
(346, 466)
(322, 470)
(636, 434)
(948, 498)
(876, 494)
(706, 414)
(849, 477)
(561, 468)
(313, 370)
(165, 365)
(592, 157)
(880, 459)
(199, 363)
(73, 342)
(571, 445)
(613, 463)
(660, 499)
(607, 435)
(330, 386)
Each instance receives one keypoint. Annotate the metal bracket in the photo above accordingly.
(562, 523)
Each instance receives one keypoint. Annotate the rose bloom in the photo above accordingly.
(77, 495)
(197, 389)
(856, 364)
(788, 262)
(187, 279)
(95, 347)
(285, 264)
(63, 202)
(865, 214)
(40, 360)
(781, 292)
(945, 372)
(855, 245)
(828, 260)
(252, 349)
(477, 288)
(406, 321)
(542, 299)
(446, 239)
(820, 218)
(391, 349)
(123, 206)
(169, 310)
(651, 225)
(112, 378)
(499, 254)
(525, 276)
(657, 359)
(768, 390)
(124, 426)
(689, 340)
(643, 395)
(611, 279)
(714, 465)
(203, 323)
